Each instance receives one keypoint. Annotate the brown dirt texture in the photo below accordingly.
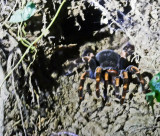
(39, 99)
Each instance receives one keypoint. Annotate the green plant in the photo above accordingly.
(23, 14)
(155, 93)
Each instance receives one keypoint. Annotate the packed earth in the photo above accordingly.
(37, 95)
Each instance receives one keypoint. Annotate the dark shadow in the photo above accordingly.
(147, 74)
(60, 56)
(83, 32)
(34, 24)
(41, 72)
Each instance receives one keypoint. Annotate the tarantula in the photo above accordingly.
(109, 67)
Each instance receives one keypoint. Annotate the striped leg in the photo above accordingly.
(125, 86)
(135, 70)
(139, 76)
(80, 90)
(106, 77)
(117, 83)
(98, 79)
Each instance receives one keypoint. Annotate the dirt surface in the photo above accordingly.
(42, 100)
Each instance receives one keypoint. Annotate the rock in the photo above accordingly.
(154, 14)
(67, 121)
(93, 129)
(119, 133)
(94, 115)
(104, 122)
(137, 122)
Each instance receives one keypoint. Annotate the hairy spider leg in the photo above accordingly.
(82, 80)
(139, 76)
(98, 79)
(125, 86)
(115, 80)
(106, 78)
(117, 84)
(135, 70)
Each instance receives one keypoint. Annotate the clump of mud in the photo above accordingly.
(42, 100)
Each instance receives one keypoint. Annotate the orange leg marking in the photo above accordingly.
(141, 80)
(117, 86)
(98, 79)
(106, 78)
(117, 82)
(125, 86)
(80, 90)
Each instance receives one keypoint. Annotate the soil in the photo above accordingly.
(42, 100)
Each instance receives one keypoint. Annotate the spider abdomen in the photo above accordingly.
(108, 59)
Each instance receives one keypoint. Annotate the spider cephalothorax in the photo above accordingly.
(110, 67)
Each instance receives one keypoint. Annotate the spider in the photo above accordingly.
(111, 68)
